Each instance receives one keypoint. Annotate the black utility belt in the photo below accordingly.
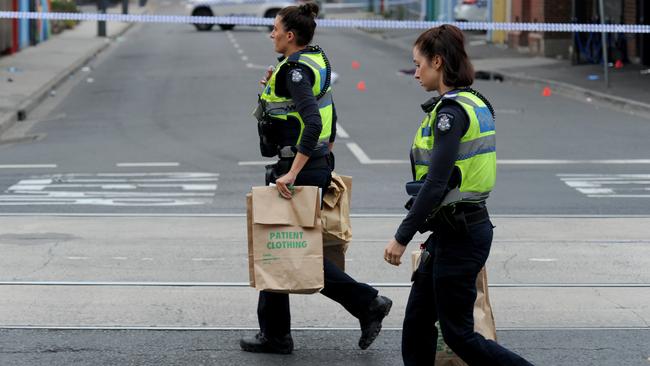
(477, 216)
(457, 218)
(313, 162)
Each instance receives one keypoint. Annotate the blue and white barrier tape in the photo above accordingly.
(335, 23)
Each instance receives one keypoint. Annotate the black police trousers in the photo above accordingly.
(444, 290)
(273, 308)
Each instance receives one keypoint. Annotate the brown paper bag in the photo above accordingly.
(483, 323)
(249, 229)
(483, 317)
(337, 229)
(285, 241)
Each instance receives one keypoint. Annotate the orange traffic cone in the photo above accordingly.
(361, 86)
(356, 65)
(546, 92)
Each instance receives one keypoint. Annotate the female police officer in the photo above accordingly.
(296, 117)
(454, 164)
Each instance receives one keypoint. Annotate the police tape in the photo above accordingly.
(334, 23)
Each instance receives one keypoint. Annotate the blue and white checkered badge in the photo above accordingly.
(296, 76)
(444, 122)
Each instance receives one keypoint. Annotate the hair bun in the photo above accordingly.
(309, 9)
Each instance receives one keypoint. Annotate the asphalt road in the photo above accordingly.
(169, 94)
(150, 152)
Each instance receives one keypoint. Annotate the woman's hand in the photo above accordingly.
(393, 252)
(284, 184)
(266, 78)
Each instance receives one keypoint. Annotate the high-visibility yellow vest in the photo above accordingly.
(476, 158)
(281, 108)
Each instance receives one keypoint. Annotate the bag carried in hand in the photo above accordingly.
(483, 323)
(337, 229)
(336, 211)
(285, 244)
(483, 317)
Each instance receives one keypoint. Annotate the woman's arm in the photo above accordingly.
(299, 88)
(447, 137)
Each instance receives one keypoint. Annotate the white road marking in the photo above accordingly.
(609, 185)
(244, 58)
(256, 67)
(127, 189)
(353, 215)
(364, 159)
(27, 166)
(404, 285)
(206, 259)
(146, 259)
(120, 258)
(316, 329)
(542, 259)
(152, 164)
(248, 163)
(340, 132)
(77, 258)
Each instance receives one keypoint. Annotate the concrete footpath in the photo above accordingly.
(29, 76)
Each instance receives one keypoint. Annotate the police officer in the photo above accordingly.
(453, 162)
(295, 119)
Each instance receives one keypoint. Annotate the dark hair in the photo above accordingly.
(300, 20)
(448, 42)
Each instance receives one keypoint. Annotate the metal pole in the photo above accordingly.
(604, 38)
(490, 11)
(450, 11)
(125, 6)
(101, 25)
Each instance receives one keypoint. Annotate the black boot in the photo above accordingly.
(371, 321)
(262, 344)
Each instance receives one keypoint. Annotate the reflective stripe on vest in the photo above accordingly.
(281, 108)
(476, 159)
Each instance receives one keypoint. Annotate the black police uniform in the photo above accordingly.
(359, 299)
(444, 285)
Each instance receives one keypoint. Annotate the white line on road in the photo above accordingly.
(244, 58)
(256, 67)
(542, 259)
(618, 195)
(363, 158)
(317, 329)
(340, 132)
(152, 164)
(206, 259)
(27, 166)
(359, 215)
(247, 163)
(77, 258)
(247, 285)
